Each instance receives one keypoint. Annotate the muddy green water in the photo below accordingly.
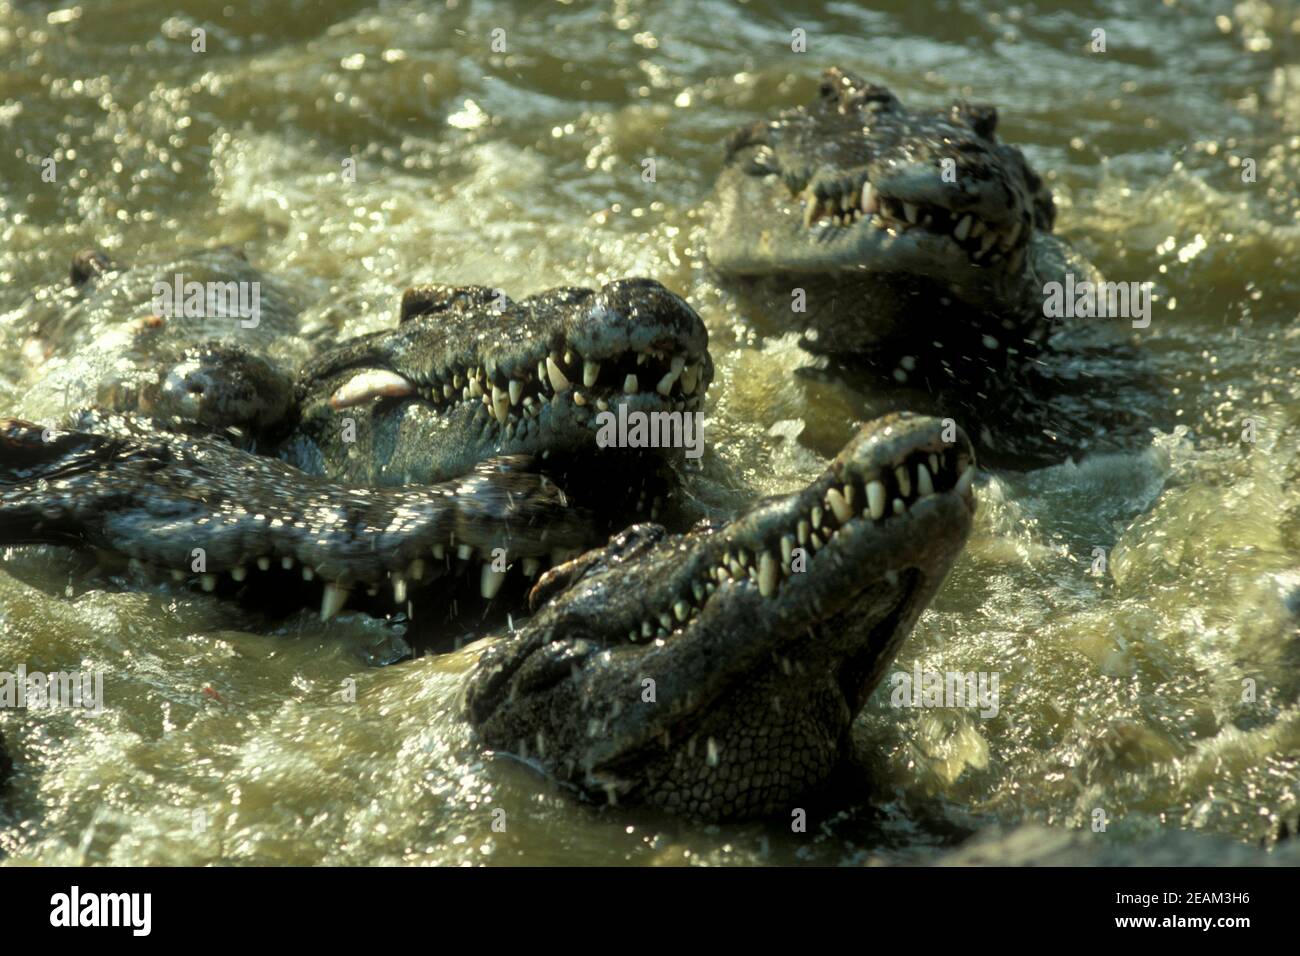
(1121, 691)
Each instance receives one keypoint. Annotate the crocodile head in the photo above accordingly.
(469, 374)
(888, 205)
(716, 673)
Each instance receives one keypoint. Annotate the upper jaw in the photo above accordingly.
(553, 360)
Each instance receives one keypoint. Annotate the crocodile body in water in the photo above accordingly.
(911, 249)
(478, 416)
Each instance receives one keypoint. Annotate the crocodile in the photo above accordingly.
(712, 674)
(455, 447)
(910, 249)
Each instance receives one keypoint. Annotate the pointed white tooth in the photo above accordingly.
(698, 590)
(666, 621)
(835, 500)
(1013, 234)
(415, 571)
(690, 378)
(641, 358)
(904, 480)
(787, 549)
(558, 380)
(803, 530)
(439, 552)
(647, 629)
(670, 378)
(264, 563)
(911, 212)
(579, 398)
(372, 383)
(924, 486)
(308, 573)
(965, 481)
(630, 385)
(815, 542)
(934, 463)
(767, 574)
(448, 391)
(399, 589)
(286, 562)
(490, 582)
(209, 581)
(516, 391)
(239, 573)
(809, 212)
(590, 372)
(899, 507)
(531, 567)
(332, 600)
(817, 514)
(963, 228)
(869, 203)
(464, 552)
(681, 610)
(500, 404)
(541, 371)
(474, 389)
(876, 499)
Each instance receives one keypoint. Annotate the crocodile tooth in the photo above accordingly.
(647, 629)
(817, 515)
(399, 589)
(516, 391)
(964, 482)
(963, 228)
(816, 542)
(924, 486)
(500, 404)
(416, 569)
(737, 570)
(590, 372)
(670, 378)
(767, 574)
(641, 358)
(307, 573)
(439, 552)
(332, 600)
(568, 357)
(838, 505)
(803, 531)
(870, 202)
(372, 383)
(602, 404)
(630, 385)
(558, 380)
(690, 378)
(787, 549)
(1012, 235)
(666, 621)
(239, 573)
(809, 212)
(911, 212)
(934, 463)
(209, 581)
(899, 507)
(531, 567)
(681, 610)
(904, 479)
(464, 551)
(579, 398)
(876, 499)
(286, 562)
(698, 590)
(490, 582)
(541, 370)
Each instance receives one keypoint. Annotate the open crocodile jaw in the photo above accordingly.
(757, 667)
(487, 376)
(857, 197)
